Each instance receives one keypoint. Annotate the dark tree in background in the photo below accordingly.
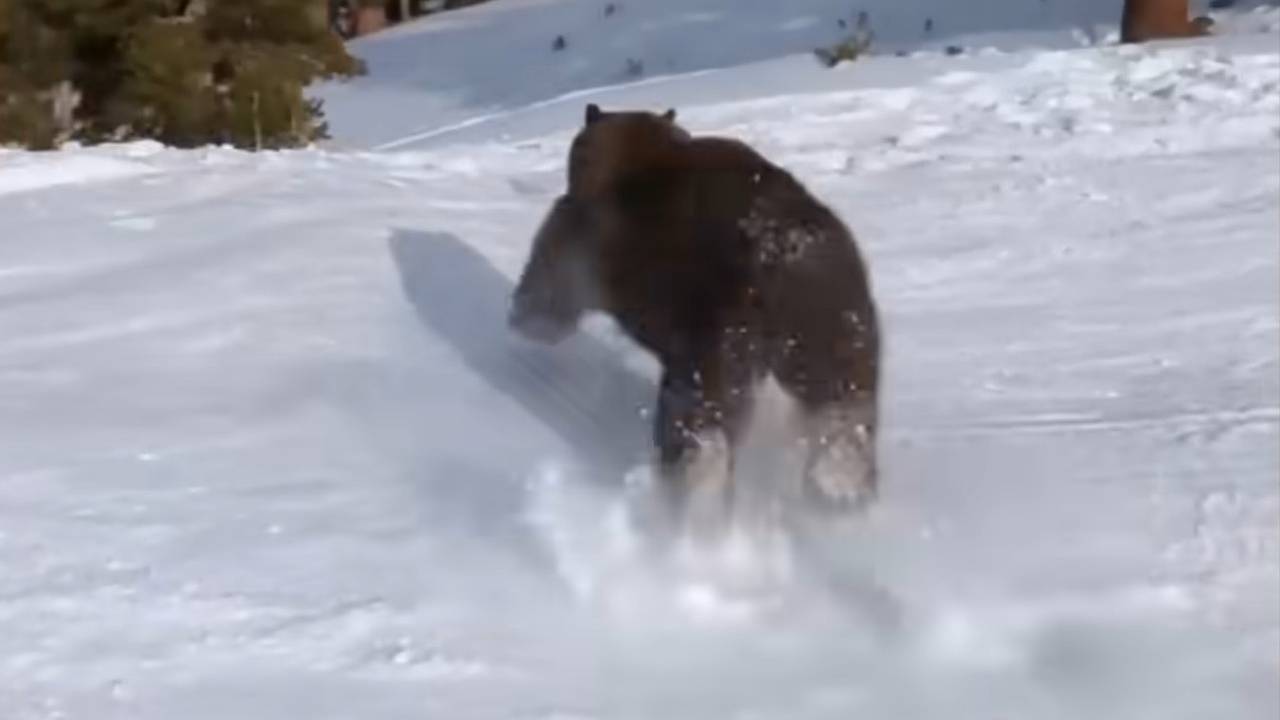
(185, 72)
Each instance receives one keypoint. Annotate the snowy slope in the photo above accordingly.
(459, 68)
(267, 452)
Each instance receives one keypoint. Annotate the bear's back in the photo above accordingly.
(721, 235)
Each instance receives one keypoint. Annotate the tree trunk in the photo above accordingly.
(1155, 19)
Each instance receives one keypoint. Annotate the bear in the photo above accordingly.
(729, 271)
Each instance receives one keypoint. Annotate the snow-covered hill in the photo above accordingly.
(493, 61)
(267, 451)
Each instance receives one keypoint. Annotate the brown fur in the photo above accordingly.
(1160, 19)
(728, 270)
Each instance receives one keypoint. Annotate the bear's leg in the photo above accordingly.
(700, 412)
(840, 468)
(833, 372)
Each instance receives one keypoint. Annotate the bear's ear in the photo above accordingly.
(593, 113)
(669, 115)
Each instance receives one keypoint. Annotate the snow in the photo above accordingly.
(488, 60)
(23, 172)
(490, 68)
(267, 450)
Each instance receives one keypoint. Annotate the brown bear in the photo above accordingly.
(729, 271)
(1160, 19)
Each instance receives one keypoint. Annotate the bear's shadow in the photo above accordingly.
(580, 388)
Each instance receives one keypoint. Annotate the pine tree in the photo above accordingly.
(184, 72)
(34, 59)
(167, 92)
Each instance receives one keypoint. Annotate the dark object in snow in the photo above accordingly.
(727, 269)
(954, 50)
(852, 47)
(1160, 19)
(928, 25)
(635, 67)
(1222, 4)
(610, 9)
(558, 44)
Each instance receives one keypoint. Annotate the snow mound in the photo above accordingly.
(23, 172)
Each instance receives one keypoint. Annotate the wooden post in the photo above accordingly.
(257, 123)
(1155, 19)
(370, 18)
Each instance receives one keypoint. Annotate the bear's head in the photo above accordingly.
(558, 283)
(612, 145)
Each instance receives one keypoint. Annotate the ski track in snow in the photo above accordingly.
(260, 457)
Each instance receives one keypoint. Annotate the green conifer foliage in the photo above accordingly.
(167, 92)
(185, 72)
